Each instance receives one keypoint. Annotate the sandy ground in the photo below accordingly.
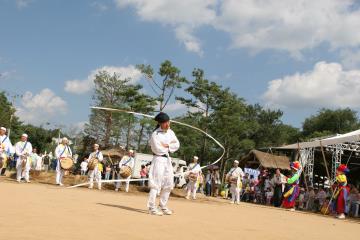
(44, 211)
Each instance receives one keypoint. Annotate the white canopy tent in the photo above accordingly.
(351, 137)
(335, 144)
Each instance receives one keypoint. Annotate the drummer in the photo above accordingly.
(62, 151)
(129, 161)
(95, 173)
(23, 149)
(194, 174)
(235, 176)
(6, 148)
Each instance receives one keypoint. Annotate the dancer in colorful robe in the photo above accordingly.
(341, 194)
(294, 190)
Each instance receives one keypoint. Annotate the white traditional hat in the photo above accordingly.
(96, 145)
(2, 128)
(196, 157)
(64, 139)
(236, 161)
(131, 151)
(24, 135)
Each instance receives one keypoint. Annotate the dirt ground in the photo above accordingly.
(45, 211)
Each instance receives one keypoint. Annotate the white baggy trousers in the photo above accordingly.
(161, 181)
(95, 174)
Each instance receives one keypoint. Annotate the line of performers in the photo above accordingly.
(163, 141)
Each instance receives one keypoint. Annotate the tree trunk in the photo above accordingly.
(140, 136)
(223, 165)
(108, 125)
(128, 134)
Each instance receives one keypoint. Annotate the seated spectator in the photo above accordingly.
(107, 172)
(143, 174)
(269, 195)
(83, 167)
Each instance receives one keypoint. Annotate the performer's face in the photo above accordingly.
(96, 147)
(2, 132)
(23, 138)
(165, 125)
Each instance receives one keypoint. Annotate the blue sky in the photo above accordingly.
(298, 56)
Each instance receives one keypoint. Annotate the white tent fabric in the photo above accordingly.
(341, 138)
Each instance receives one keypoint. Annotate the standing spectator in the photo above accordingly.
(277, 183)
(83, 167)
(143, 174)
(107, 172)
(208, 182)
(46, 162)
(39, 163)
(216, 182)
(33, 158)
(246, 187)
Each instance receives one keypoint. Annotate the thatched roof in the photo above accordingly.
(114, 152)
(266, 160)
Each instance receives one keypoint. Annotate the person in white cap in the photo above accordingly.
(126, 161)
(235, 176)
(23, 149)
(95, 173)
(62, 151)
(193, 178)
(161, 176)
(6, 148)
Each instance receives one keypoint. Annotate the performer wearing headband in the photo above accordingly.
(95, 173)
(62, 151)
(294, 190)
(126, 161)
(341, 194)
(235, 176)
(193, 178)
(161, 176)
(6, 149)
(23, 149)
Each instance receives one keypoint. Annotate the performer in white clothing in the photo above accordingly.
(235, 176)
(62, 151)
(193, 178)
(6, 149)
(23, 149)
(95, 173)
(161, 176)
(126, 161)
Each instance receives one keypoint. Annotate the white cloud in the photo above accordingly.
(85, 85)
(40, 107)
(5, 75)
(291, 26)
(327, 85)
(99, 6)
(22, 3)
(184, 16)
(350, 58)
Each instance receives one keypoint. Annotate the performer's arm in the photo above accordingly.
(293, 179)
(174, 144)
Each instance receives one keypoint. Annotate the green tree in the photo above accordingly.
(204, 97)
(327, 122)
(165, 87)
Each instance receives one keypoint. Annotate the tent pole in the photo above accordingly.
(326, 167)
(297, 158)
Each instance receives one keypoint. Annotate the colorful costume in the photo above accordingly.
(291, 194)
(341, 195)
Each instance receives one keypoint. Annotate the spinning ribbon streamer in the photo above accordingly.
(151, 116)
